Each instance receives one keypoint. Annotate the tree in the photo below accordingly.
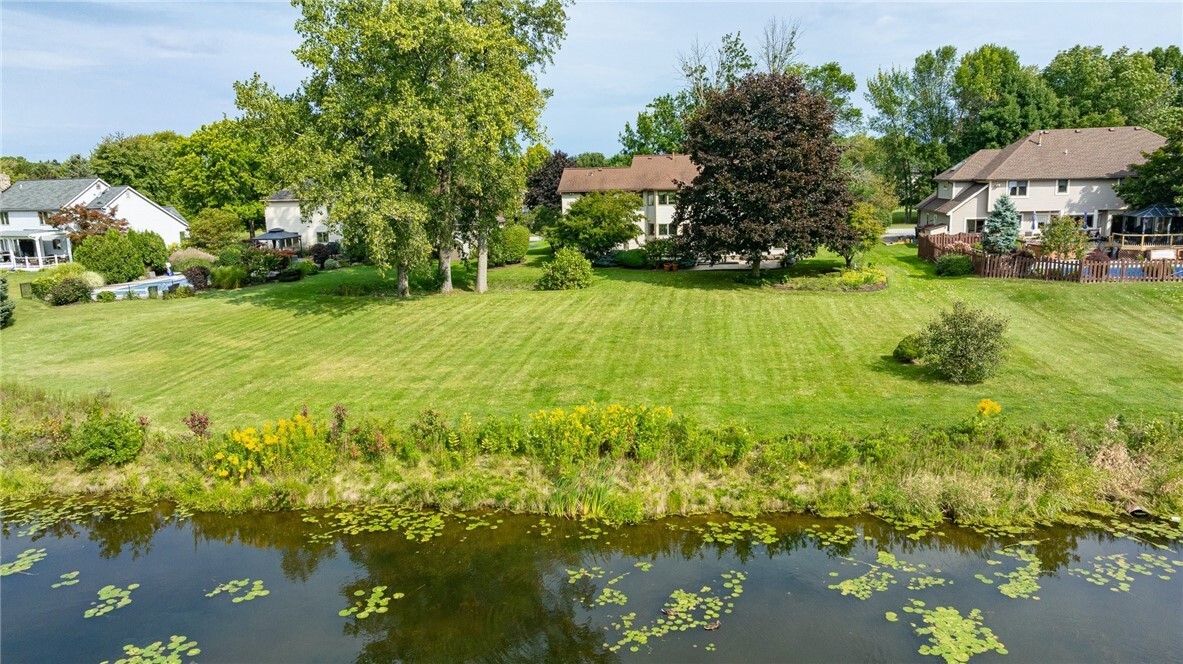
(1125, 87)
(542, 186)
(836, 86)
(141, 161)
(999, 100)
(213, 230)
(770, 171)
(1159, 179)
(76, 166)
(862, 231)
(659, 129)
(407, 108)
(1063, 237)
(19, 168)
(965, 345)
(1002, 227)
(533, 157)
(591, 160)
(80, 222)
(598, 222)
(150, 248)
(221, 165)
(111, 255)
(6, 304)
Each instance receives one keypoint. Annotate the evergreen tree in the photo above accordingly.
(6, 304)
(1002, 227)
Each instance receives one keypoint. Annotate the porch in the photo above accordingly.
(1153, 227)
(33, 249)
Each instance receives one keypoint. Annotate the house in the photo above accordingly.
(654, 177)
(28, 242)
(1066, 172)
(282, 215)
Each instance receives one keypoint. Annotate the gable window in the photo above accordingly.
(3, 218)
(1017, 187)
(43, 217)
(322, 237)
(1061, 186)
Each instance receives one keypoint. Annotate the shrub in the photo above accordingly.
(260, 262)
(214, 229)
(355, 252)
(323, 251)
(186, 258)
(965, 345)
(228, 277)
(860, 278)
(150, 248)
(111, 255)
(910, 349)
(198, 277)
(69, 291)
(954, 265)
(92, 279)
(569, 270)
(331, 264)
(597, 222)
(290, 274)
(659, 250)
(307, 268)
(178, 293)
(633, 258)
(106, 296)
(51, 277)
(106, 437)
(299, 445)
(508, 245)
(6, 304)
(229, 256)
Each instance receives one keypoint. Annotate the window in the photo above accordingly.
(1061, 186)
(43, 217)
(667, 198)
(663, 230)
(3, 218)
(322, 237)
(975, 225)
(652, 228)
(1017, 187)
(649, 198)
(57, 244)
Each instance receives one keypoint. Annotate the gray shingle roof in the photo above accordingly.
(947, 205)
(106, 197)
(41, 195)
(282, 195)
(176, 213)
(1096, 152)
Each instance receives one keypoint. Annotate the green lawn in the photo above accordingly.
(695, 341)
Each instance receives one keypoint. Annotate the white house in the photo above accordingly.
(26, 241)
(654, 177)
(1065, 172)
(282, 213)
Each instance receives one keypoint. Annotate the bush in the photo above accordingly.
(229, 256)
(178, 293)
(106, 437)
(187, 258)
(106, 296)
(111, 255)
(298, 446)
(323, 251)
(69, 291)
(290, 274)
(198, 277)
(508, 245)
(860, 278)
(658, 251)
(214, 229)
(910, 349)
(260, 262)
(307, 268)
(965, 345)
(954, 265)
(53, 276)
(633, 258)
(228, 277)
(569, 270)
(150, 247)
(331, 264)
(6, 304)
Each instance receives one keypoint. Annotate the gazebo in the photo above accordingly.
(1157, 226)
(278, 239)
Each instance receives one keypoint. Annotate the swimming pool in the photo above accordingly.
(139, 289)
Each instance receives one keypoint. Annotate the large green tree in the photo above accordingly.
(999, 101)
(1122, 88)
(221, 165)
(1160, 178)
(598, 222)
(141, 161)
(659, 129)
(771, 172)
(411, 114)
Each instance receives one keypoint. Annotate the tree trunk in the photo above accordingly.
(404, 281)
(482, 261)
(756, 261)
(849, 261)
(446, 268)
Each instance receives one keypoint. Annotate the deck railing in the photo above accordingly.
(10, 262)
(1146, 240)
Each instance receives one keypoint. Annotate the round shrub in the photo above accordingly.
(92, 279)
(47, 279)
(228, 277)
(150, 248)
(186, 258)
(954, 265)
(198, 277)
(111, 255)
(965, 345)
(307, 268)
(331, 264)
(106, 296)
(69, 291)
(633, 258)
(568, 271)
(508, 245)
(910, 349)
(229, 256)
(106, 437)
(322, 251)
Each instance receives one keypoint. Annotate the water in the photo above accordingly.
(496, 587)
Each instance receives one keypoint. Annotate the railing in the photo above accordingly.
(31, 262)
(1148, 240)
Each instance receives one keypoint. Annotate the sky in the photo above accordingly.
(71, 73)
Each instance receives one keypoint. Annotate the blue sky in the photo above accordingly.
(73, 72)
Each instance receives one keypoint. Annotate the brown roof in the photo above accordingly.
(1097, 152)
(947, 205)
(656, 172)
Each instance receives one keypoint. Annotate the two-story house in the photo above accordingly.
(654, 177)
(28, 242)
(1067, 172)
(283, 217)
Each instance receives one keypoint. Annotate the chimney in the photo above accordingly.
(5, 181)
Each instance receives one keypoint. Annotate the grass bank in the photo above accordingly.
(695, 341)
(623, 463)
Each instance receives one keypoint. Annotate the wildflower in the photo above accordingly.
(224, 473)
(219, 456)
(988, 408)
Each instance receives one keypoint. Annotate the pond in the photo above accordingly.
(84, 580)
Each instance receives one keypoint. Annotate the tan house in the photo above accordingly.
(1068, 172)
(654, 177)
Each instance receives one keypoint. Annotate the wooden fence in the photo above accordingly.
(1025, 267)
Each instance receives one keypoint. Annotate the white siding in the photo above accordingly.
(1095, 197)
(286, 215)
(144, 215)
